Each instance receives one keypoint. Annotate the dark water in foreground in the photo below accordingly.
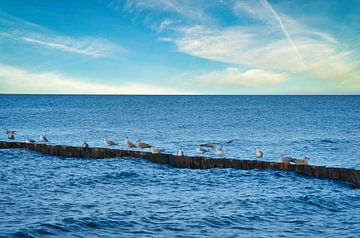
(68, 197)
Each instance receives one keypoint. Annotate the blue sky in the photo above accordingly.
(180, 47)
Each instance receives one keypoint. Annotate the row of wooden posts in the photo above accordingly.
(351, 176)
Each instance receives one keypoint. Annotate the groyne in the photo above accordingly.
(351, 176)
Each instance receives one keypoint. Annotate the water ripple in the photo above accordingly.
(44, 196)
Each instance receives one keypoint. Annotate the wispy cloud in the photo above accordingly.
(17, 80)
(8, 20)
(338, 68)
(185, 10)
(234, 77)
(249, 46)
(88, 46)
(22, 31)
(266, 4)
(274, 41)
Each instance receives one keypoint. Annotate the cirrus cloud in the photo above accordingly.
(234, 77)
(89, 46)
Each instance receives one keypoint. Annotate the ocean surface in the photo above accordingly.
(42, 196)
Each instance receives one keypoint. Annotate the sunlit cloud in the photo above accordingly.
(246, 46)
(237, 45)
(275, 41)
(338, 68)
(17, 80)
(234, 77)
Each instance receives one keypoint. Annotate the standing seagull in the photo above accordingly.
(217, 151)
(85, 145)
(108, 142)
(29, 141)
(10, 134)
(180, 152)
(43, 138)
(128, 143)
(142, 145)
(259, 154)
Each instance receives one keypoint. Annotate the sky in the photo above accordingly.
(180, 47)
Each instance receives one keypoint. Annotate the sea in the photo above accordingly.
(44, 196)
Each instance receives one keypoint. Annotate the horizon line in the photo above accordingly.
(99, 94)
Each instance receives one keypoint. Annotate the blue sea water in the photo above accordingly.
(42, 196)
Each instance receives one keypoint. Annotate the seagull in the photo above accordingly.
(128, 143)
(286, 159)
(142, 145)
(259, 154)
(29, 141)
(180, 152)
(108, 142)
(85, 145)
(200, 150)
(217, 151)
(156, 151)
(10, 134)
(302, 161)
(43, 138)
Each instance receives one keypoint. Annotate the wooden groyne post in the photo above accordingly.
(351, 176)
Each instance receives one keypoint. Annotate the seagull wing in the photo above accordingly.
(228, 142)
(212, 146)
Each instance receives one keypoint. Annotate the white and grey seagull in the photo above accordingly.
(43, 138)
(10, 134)
(108, 142)
(258, 153)
(85, 145)
(180, 152)
(128, 143)
(29, 141)
(142, 145)
(217, 151)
